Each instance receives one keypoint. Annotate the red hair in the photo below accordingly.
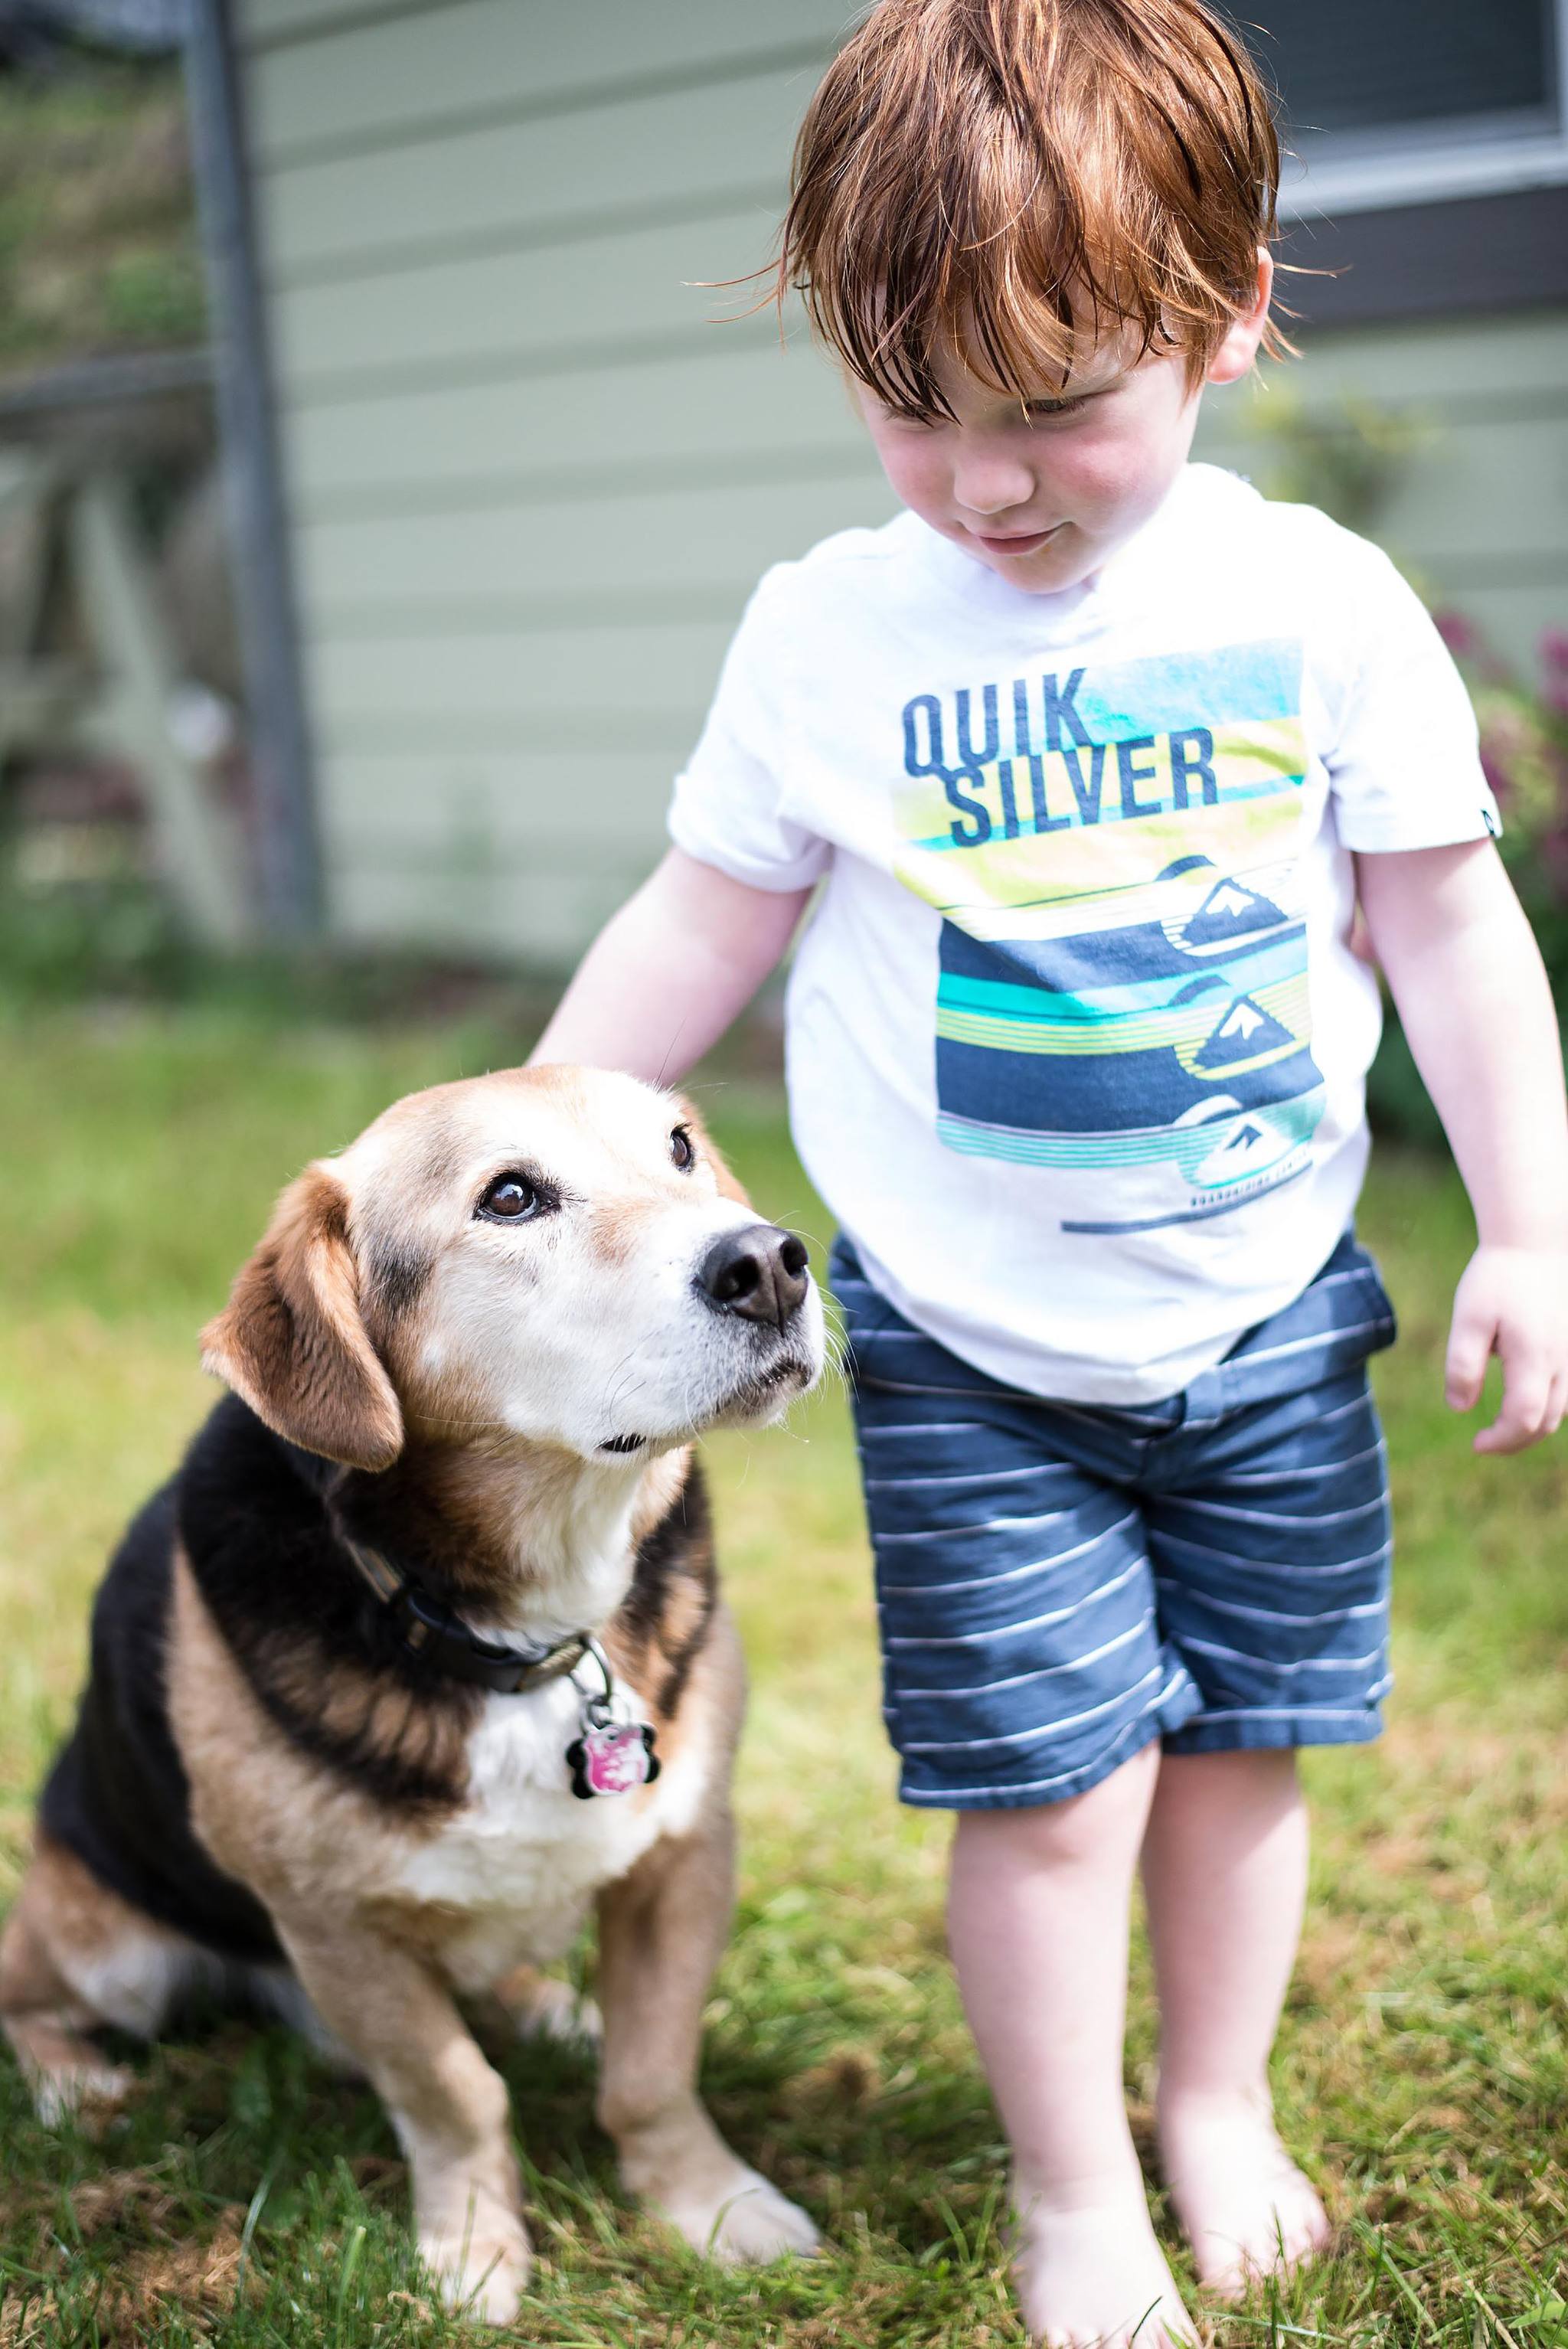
(1013, 177)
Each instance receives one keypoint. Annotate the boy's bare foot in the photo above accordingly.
(1088, 2271)
(1244, 2205)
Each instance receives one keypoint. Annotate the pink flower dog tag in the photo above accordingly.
(608, 1757)
(611, 1757)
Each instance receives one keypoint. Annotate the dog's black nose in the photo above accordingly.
(758, 1272)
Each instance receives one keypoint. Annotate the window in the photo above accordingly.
(1395, 101)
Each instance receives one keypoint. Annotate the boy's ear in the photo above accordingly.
(1237, 349)
(728, 1186)
(292, 1342)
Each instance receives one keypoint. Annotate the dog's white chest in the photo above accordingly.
(524, 1857)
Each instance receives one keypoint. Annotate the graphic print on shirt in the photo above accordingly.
(1122, 970)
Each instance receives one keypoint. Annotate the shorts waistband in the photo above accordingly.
(1343, 1314)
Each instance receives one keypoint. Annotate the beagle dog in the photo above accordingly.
(420, 1656)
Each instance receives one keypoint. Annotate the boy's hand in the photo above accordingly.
(1513, 1302)
(667, 974)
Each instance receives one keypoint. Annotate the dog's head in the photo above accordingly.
(554, 1254)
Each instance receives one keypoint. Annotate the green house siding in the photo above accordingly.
(534, 469)
(1476, 509)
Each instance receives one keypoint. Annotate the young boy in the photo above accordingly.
(1093, 753)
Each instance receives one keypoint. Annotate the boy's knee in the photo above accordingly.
(1101, 1826)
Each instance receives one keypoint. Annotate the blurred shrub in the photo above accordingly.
(115, 935)
(1347, 459)
(153, 297)
(97, 238)
(1524, 751)
(109, 935)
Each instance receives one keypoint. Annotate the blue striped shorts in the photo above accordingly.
(1058, 1584)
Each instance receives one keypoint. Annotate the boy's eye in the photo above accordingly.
(1035, 408)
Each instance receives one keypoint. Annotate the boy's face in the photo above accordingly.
(1043, 492)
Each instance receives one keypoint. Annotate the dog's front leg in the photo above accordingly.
(448, 2107)
(660, 1930)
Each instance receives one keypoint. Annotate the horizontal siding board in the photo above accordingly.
(652, 677)
(540, 172)
(732, 397)
(491, 733)
(390, 81)
(541, 613)
(1413, 365)
(611, 482)
(509, 804)
(261, 23)
(620, 352)
(689, 539)
(610, 210)
(540, 917)
(523, 304)
(1545, 567)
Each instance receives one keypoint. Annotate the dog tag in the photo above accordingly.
(611, 1757)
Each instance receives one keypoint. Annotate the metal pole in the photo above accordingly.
(279, 736)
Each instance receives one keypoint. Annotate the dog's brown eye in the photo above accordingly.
(681, 1149)
(509, 1199)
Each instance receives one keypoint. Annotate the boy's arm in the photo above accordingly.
(1465, 972)
(668, 973)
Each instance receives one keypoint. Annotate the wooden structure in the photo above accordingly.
(86, 664)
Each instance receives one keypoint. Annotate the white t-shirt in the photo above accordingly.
(1076, 1040)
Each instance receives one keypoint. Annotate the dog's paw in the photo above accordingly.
(748, 2222)
(483, 2274)
(87, 2093)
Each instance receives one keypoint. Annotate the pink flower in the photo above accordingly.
(1460, 635)
(1554, 662)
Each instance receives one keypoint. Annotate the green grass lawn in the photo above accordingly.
(245, 2196)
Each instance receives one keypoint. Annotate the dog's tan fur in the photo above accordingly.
(332, 1340)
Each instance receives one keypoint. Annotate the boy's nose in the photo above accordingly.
(989, 488)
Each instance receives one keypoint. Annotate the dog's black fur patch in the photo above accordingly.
(680, 1545)
(116, 1795)
(251, 1510)
(291, 1607)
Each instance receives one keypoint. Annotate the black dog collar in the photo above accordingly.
(443, 1641)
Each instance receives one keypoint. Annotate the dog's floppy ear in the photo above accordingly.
(291, 1342)
(730, 1185)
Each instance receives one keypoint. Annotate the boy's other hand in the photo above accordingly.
(1513, 1302)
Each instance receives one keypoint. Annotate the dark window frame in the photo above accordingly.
(1472, 254)
(1329, 174)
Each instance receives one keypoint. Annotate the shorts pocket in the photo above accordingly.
(1371, 1317)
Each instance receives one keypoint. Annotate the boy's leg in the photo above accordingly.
(1224, 1871)
(1269, 1530)
(1037, 1923)
(1022, 1652)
